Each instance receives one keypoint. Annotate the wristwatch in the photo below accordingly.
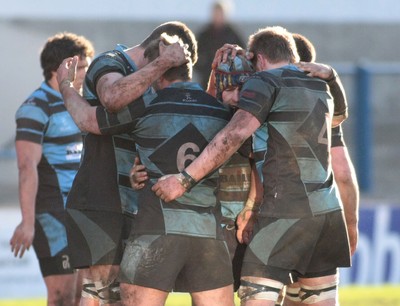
(186, 180)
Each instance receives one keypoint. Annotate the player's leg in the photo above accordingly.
(61, 289)
(52, 250)
(261, 282)
(142, 296)
(256, 291)
(216, 297)
(236, 252)
(319, 291)
(319, 284)
(78, 287)
(207, 273)
(87, 230)
(281, 297)
(89, 296)
(149, 268)
(100, 286)
(291, 297)
(105, 281)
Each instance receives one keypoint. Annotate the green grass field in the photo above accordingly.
(349, 296)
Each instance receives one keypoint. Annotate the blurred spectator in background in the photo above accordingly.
(211, 37)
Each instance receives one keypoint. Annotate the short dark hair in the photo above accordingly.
(182, 72)
(305, 48)
(175, 28)
(61, 46)
(275, 43)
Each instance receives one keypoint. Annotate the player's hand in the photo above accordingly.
(321, 71)
(222, 54)
(176, 54)
(22, 239)
(245, 223)
(168, 188)
(66, 72)
(138, 175)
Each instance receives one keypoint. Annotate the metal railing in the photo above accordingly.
(363, 74)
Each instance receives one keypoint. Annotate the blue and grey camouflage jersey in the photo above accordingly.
(292, 145)
(170, 129)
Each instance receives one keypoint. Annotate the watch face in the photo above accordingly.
(184, 182)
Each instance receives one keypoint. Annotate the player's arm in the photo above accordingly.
(346, 180)
(225, 143)
(28, 158)
(81, 111)
(246, 218)
(91, 119)
(336, 88)
(116, 91)
(339, 97)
